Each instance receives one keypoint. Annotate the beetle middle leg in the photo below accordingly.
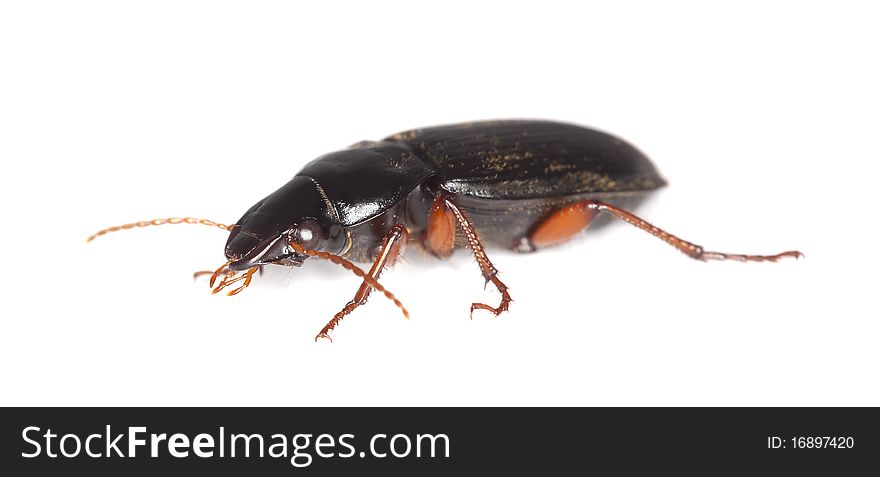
(573, 218)
(392, 247)
(440, 237)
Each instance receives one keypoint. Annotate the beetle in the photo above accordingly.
(523, 185)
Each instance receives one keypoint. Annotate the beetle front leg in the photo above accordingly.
(439, 239)
(573, 218)
(392, 247)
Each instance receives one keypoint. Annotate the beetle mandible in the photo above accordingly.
(517, 184)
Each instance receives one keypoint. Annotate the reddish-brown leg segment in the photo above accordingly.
(562, 225)
(569, 220)
(392, 247)
(439, 236)
(444, 209)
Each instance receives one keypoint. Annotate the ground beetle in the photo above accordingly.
(518, 184)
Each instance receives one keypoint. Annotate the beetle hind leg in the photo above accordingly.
(571, 219)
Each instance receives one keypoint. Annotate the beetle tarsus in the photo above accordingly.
(505, 299)
(490, 273)
(751, 258)
(325, 332)
(323, 335)
(482, 306)
(690, 249)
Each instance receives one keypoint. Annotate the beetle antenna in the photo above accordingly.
(168, 221)
(354, 269)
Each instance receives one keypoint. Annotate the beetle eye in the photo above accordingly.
(308, 234)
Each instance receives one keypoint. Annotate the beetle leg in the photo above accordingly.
(439, 236)
(573, 218)
(490, 273)
(392, 247)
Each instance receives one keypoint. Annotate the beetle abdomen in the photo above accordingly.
(524, 159)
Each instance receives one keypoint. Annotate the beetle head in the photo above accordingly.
(295, 213)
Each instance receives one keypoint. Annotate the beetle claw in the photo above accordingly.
(323, 335)
(794, 254)
(704, 256)
(502, 307)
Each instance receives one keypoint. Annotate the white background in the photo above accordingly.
(763, 116)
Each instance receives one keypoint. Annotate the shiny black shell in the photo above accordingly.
(530, 159)
(507, 176)
(362, 182)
